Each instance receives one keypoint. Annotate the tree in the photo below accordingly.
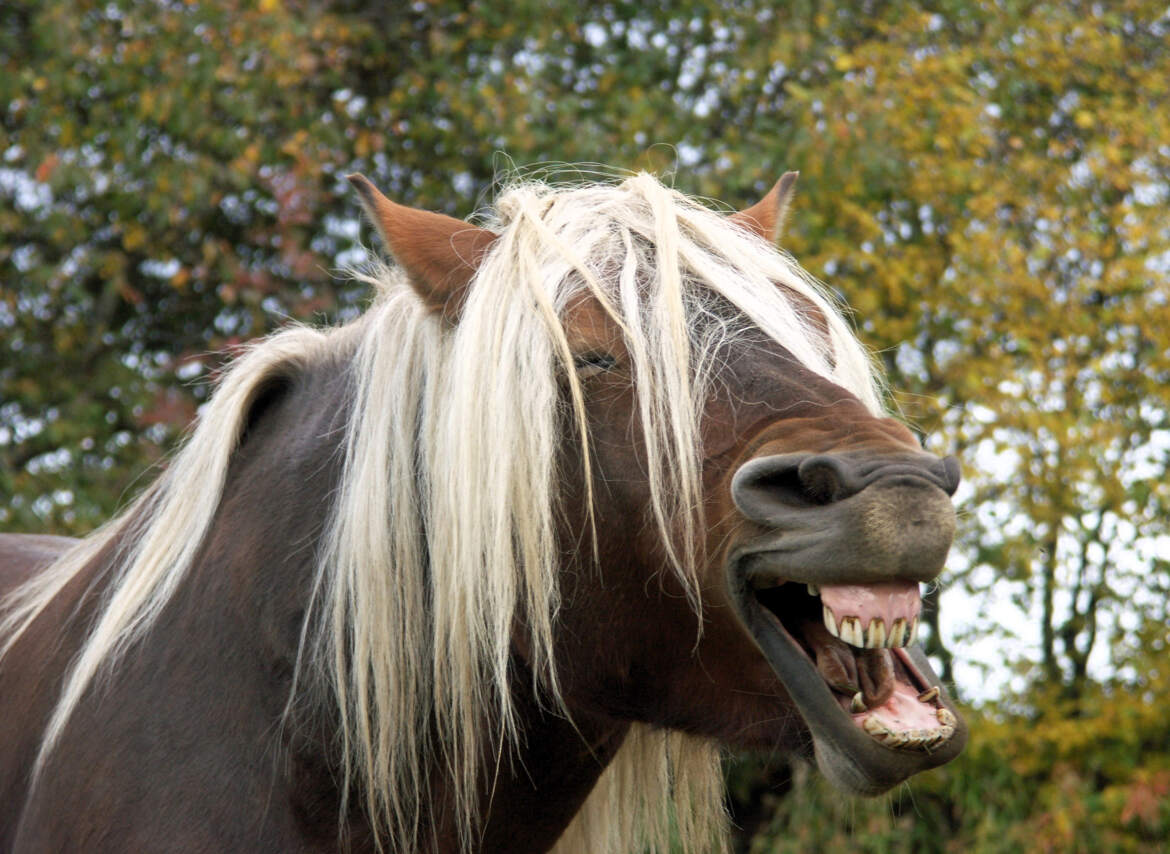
(1004, 241)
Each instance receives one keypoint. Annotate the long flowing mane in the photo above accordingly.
(442, 534)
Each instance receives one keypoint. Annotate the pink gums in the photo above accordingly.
(903, 711)
(884, 601)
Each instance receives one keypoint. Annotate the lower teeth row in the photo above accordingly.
(912, 737)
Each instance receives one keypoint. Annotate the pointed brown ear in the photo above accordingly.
(767, 216)
(439, 253)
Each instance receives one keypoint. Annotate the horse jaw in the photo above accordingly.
(859, 752)
(860, 558)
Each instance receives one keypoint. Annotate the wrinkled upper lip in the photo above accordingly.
(854, 758)
(819, 544)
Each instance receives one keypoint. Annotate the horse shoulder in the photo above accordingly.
(182, 745)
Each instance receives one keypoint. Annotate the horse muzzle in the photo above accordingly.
(827, 586)
(836, 518)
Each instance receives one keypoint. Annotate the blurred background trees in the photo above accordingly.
(986, 183)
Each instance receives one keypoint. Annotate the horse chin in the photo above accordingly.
(866, 738)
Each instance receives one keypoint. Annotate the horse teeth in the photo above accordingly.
(851, 632)
(946, 718)
(857, 704)
(898, 632)
(830, 621)
(917, 739)
(895, 739)
(928, 695)
(814, 590)
(876, 636)
(913, 632)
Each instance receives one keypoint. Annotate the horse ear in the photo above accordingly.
(439, 253)
(767, 216)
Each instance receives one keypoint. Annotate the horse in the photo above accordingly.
(592, 491)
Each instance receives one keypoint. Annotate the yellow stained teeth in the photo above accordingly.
(928, 695)
(877, 635)
(814, 590)
(851, 632)
(912, 738)
(857, 704)
(917, 739)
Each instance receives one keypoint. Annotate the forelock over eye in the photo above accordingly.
(594, 363)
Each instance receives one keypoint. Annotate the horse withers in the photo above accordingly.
(590, 492)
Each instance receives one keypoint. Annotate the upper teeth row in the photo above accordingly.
(900, 632)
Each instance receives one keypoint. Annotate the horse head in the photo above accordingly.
(740, 528)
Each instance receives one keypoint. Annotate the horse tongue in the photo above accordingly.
(886, 600)
(834, 658)
(848, 669)
(875, 667)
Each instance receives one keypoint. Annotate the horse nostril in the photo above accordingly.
(825, 479)
(766, 488)
(766, 485)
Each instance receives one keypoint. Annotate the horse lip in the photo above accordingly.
(846, 754)
(819, 544)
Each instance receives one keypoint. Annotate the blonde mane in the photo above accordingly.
(443, 532)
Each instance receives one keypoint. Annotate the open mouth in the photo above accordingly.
(856, 636)
(846, 655)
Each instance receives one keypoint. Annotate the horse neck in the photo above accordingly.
(531, 791)
(261, 554)
(273, 514)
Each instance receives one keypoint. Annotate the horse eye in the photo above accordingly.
(592, 364)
